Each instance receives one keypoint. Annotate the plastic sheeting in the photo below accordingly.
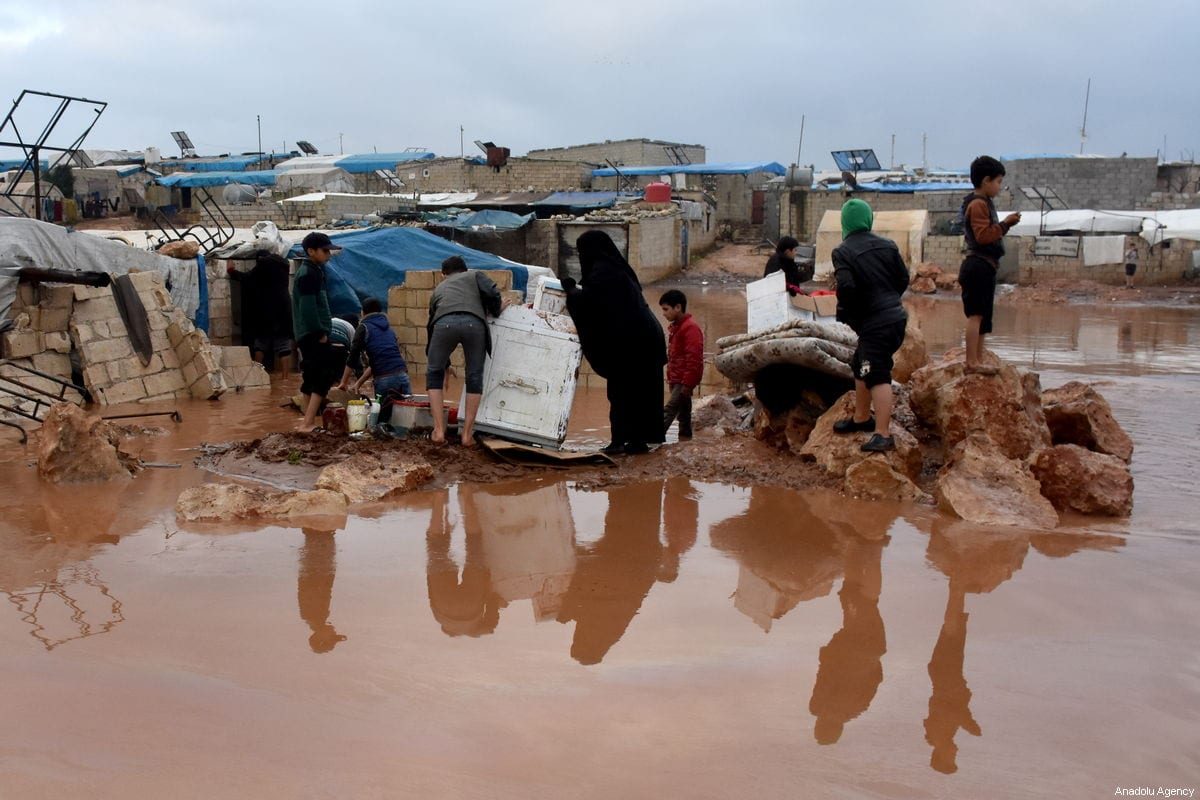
(359, 164)
(580, 200)
(1099, 250)
(731, 168)
(30, 243)
(326, 179)
(440, 199)
(191, 180)
(372, 261)
(488, 218)
(1153, 226)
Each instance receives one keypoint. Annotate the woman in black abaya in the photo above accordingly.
(621, 339)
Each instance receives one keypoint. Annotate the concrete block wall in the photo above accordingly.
(518, 175)
(220, 314)
(314, 213)
(624, 152)
(808, 207)
(733, 193)
(1156, 266)
(246, 214)
(239, 370)
(945, 251)
(408, 314)
(1100, 183)
(39, 341)
(655, 247)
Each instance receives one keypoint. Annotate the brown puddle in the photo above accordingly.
(557, 636)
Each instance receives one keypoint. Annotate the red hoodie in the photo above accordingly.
(685, 352)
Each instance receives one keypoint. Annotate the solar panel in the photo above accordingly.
(854, 160)
(181, 138)
(306, 148)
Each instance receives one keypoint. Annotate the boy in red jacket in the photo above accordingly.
(685, 360)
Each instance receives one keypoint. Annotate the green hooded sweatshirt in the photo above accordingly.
(856, 216)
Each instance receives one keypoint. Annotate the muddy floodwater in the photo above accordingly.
(670, 638)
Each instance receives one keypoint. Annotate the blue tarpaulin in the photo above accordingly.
(369, 162)
(580, 200)
(17, 163)
(373, 261)
(738, 168)
(190, 180)
(488, 218)
(224, 164)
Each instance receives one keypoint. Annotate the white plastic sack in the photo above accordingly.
(267, 237)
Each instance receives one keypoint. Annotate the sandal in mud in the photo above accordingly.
(848, 425)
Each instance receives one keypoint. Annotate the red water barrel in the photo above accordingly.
(658, 193)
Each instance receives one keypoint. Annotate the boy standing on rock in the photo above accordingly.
(983, 231)
(871, 276)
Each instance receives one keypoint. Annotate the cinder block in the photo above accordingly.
(125, 392)
(58, 364)
(420, 298)
(56, 296)
(164, 383)
(21, 344)
(100, 308)
(91, 292)
(405, 334)
(397, 316)
(105, 350)
(145, 281)
(398, 296)
(419, 278)
(54, 318)
(57, 341)
(234, 356)
(417, 317)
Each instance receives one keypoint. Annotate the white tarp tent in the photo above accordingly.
(1153, 226)
(320, 179)
(906, 228)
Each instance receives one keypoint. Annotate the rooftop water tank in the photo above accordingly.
(658, 193)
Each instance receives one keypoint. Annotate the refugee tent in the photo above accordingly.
(318, 179)
(372, 261)
(906, 228)
(192, 180)
(1153, 226)
(240, 163)
(30, 243)
(359, 164)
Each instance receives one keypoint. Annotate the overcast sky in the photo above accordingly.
(737, 77)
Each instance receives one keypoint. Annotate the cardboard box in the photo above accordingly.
(822, 305)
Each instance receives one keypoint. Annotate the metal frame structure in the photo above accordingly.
(32, 150)
(208, 238)
(1048, 200)
(42, 399)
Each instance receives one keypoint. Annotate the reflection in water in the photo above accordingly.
(75, 605)
(314, 588)
(616, 573)
(850, 668)
(466, 606)
(520, 544)
(976, 560)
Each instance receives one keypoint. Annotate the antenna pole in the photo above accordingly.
(1083, 128)
(801, 145)
(259, 118)
(893, 164)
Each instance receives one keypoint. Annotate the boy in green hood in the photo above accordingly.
(871, 276)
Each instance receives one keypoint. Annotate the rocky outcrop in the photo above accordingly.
(836, 453)
(366, 477)
(912, 354)
(923, 286)
(76, 447)
(1006, 406)
(981, 484)
(1076, 479)
(1077, 414)
(873, 479)
(217, 502)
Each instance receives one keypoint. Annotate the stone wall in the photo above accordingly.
(244, 215)
(1101, 183)
(1156, 266)
(945, 251)
(624, 152)
(518, 175)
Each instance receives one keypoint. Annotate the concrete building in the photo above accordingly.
(626, 152)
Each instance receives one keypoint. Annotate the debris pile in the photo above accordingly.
(76, 447)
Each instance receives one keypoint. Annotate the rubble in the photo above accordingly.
(1077, 414)
(912, 354)
(874, 479)
(216, 502)
(1076, 479)
(981, 484)
(76, 447)
(365, 477)
(836, 453)
(715, 411)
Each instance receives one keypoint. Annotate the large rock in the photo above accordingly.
(215, 502)
(1074, 478)
(1077, 414)
(364, 477)
(982, 485)
(836, 453)
(873, 479)
(1006, 407)
(715, 411)
(790, 429)
(923, 286)
(75, 447)
(912, 354)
